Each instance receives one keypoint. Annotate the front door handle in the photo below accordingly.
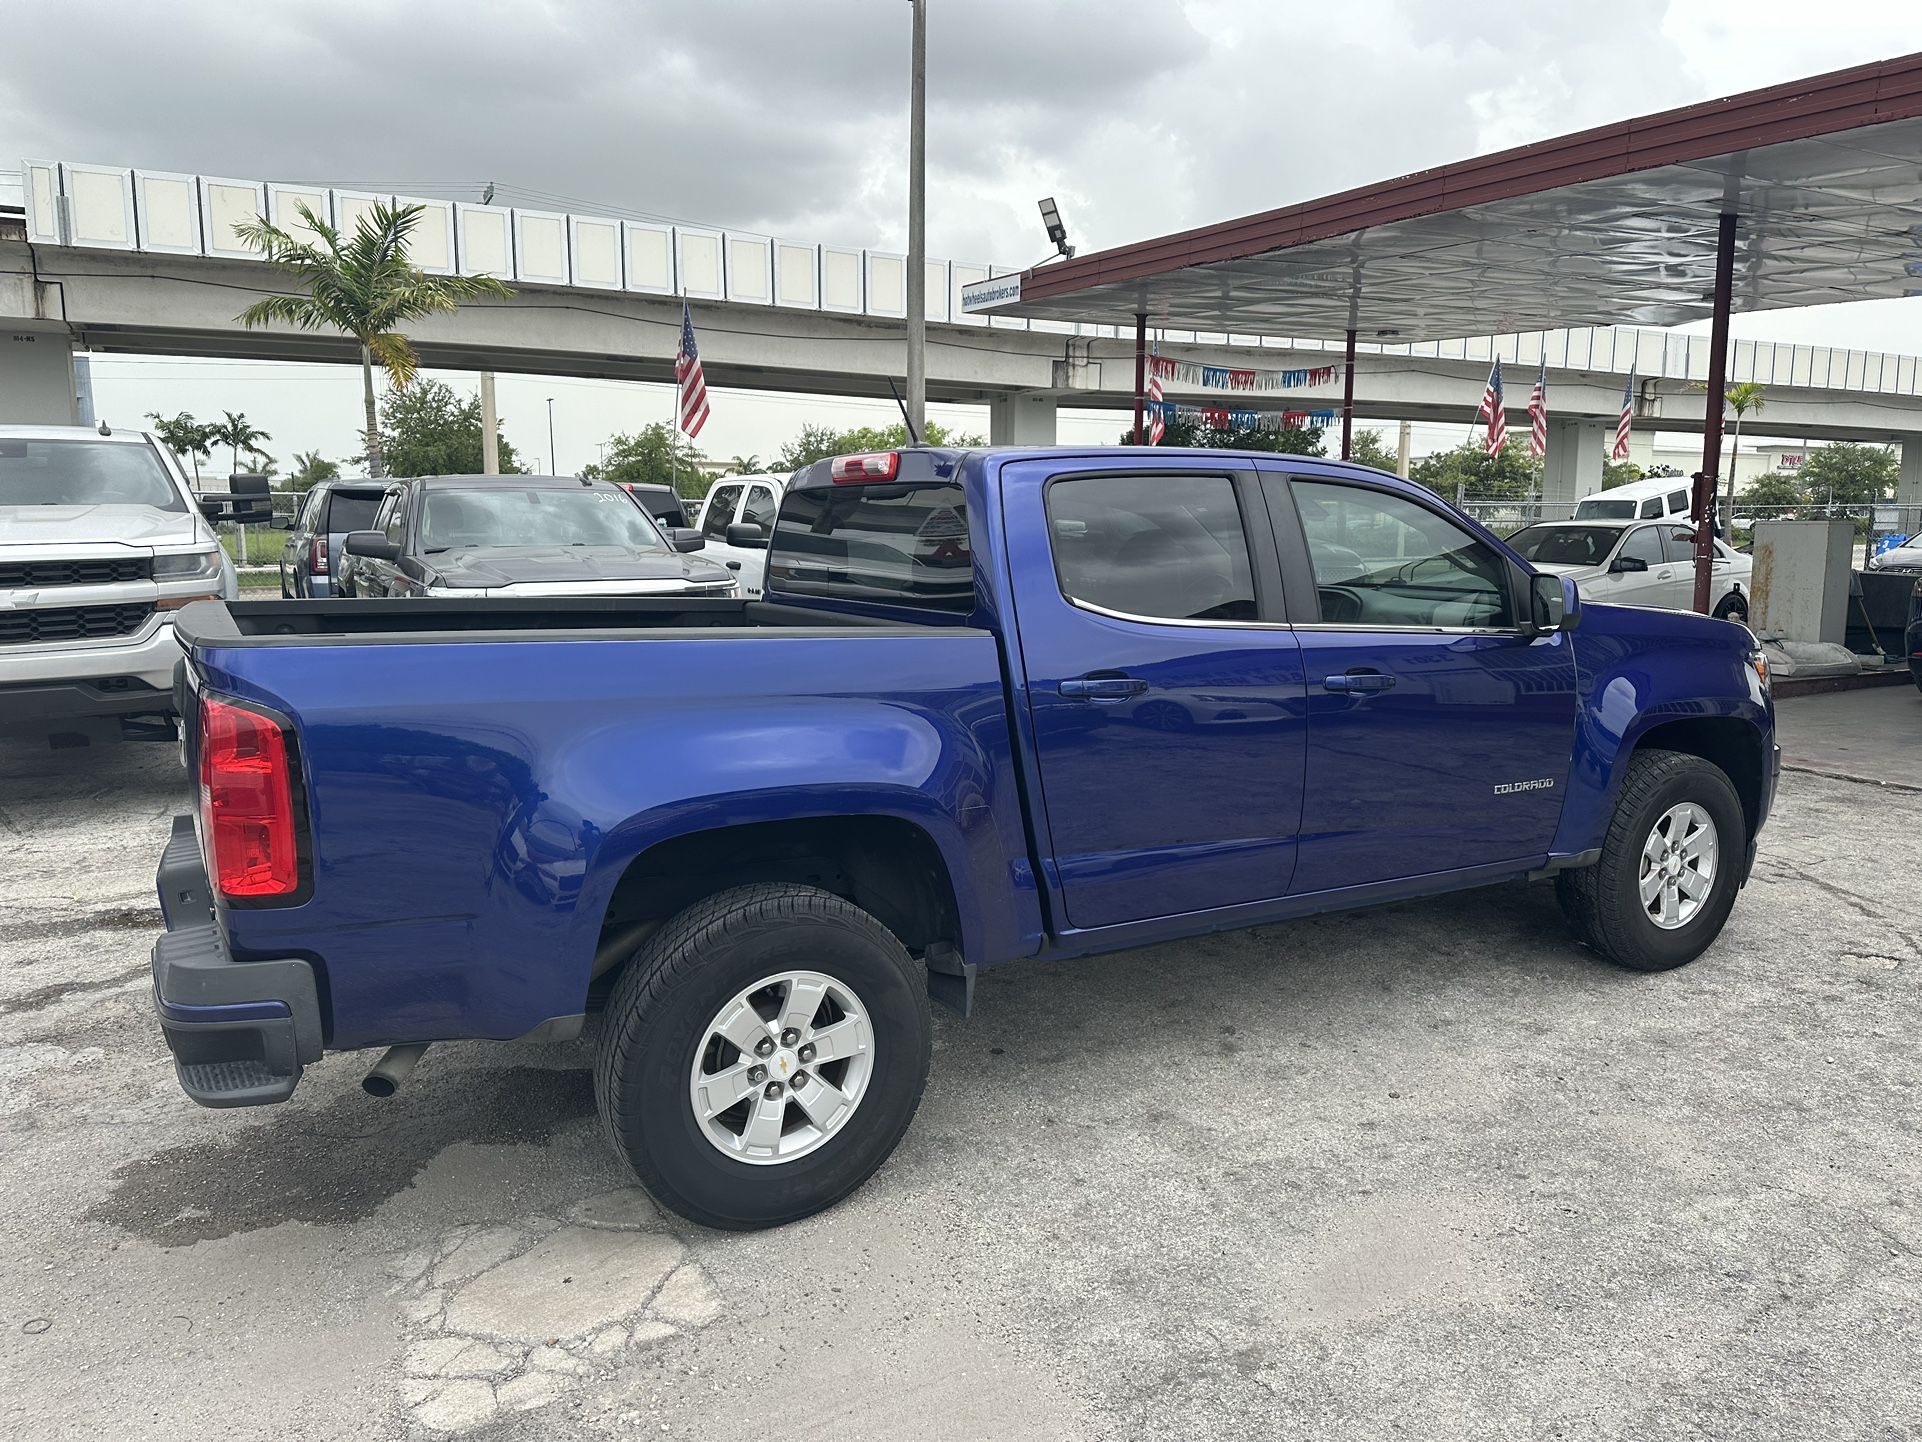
(1356, 681)
(1104, 688)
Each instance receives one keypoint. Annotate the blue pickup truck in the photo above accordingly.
(995, 704)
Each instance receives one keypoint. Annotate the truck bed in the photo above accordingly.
(244, 623)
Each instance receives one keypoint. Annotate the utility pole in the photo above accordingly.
(918, 225)
(553, 456)
(490, 428)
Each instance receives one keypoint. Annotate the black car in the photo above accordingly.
(310, 560)
(1915, 634)
(663, 503)
(460, 536)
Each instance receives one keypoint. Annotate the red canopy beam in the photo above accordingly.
(1703, 501)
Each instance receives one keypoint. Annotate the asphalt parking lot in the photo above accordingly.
(1429, 1171)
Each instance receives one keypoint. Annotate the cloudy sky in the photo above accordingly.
(789, 117)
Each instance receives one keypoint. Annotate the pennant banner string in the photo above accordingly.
(1229, 378)
(1219, 419)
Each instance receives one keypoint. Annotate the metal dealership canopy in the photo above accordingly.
(1616, 225)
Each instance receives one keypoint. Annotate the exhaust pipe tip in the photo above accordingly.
(391, 1072)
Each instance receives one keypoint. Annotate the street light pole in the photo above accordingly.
(553, 456)
(917, 226)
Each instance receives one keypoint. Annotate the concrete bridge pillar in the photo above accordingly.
(1021, 418)
(1573, 466)
(1908, 486)
(36, 376)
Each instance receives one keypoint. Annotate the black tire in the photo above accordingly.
(1603, 902)
(1732, 607)
(672, 988)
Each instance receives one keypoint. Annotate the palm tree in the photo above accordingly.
(745, 465)
(241, 434)
(310, 470)
(1741, 399)
(364, 287)
(184, 436)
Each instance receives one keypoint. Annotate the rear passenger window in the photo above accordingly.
(1679, 545)
(1651, 508)
(761, 507)
(1678, 503)
(1163, 548)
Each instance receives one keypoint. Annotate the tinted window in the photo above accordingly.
(1605, 511)
(720, 510)
(1565, 545)
(1383, 560)
(1678, 503)
(1678, 544)
(1651, 507)
(899, 545)
(391, 508)
(350, 512)
(84, 473)
(1166, 547)
(535, 516)
(1645, 544)
(761, 506)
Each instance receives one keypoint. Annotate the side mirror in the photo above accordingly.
(748, 534)
(683, 539)
(371, 544)
(1554, 604)
(1627, 565)
(283, 523)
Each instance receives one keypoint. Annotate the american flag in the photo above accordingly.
(1538, 413)
(688, 377)
(1620, 453)
(1157, 428)
(1491, 411)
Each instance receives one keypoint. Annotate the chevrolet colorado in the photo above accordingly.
(996, 704)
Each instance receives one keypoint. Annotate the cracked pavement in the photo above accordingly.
(1426, 1171)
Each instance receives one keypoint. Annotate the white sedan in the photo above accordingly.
(1905, 557)
(1636, 564)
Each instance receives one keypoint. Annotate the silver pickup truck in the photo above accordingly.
(101, 541)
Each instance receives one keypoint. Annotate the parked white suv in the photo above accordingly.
(101, 540)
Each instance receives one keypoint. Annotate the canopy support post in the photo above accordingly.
(1141, 372)
(1348, 399)
(1702, 502)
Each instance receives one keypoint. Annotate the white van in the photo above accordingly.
(738, 518)
(1658, 499)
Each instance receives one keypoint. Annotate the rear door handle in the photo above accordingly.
(1104, 688)
(1358, 681)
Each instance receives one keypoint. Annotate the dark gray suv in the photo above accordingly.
(311, 558)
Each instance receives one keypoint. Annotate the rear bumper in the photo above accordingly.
(240, 1031)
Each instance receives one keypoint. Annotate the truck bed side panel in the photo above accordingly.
(474, 803)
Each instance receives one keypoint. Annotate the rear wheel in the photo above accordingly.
(764, 1053)
(1732, 607)
(1670, 866)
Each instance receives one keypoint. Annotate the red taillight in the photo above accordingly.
(875, 466)
(246, 802)
(319, 564)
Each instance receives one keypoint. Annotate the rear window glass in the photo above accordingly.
(1605, 511)
(897, 545)
(352, 513)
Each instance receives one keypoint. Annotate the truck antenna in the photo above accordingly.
(914, 436)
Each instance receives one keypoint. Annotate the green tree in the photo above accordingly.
(1774, 488)
(1369, 449)
(745, 465)
(1619, 473)
(656, 455)
(1468, 471)
(1295, 441)
(429, 430)
(1741, 399)
(186, 437)
(816, 443)
(237, 432)
(364, 287)
(310, 470)
(1847, 474)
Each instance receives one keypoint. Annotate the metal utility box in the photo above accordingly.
(1800, 589)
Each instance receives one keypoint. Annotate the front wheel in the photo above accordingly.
(763, 1053)
(1670, 867)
